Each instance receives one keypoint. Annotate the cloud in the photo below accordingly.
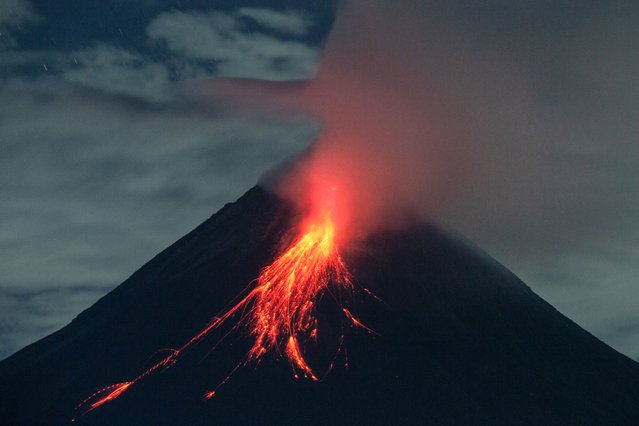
(121, 72)
(285, 22)
(14, 62)
(14, 14)
(180, 46)
(101, 67)
(221, 42)
(594, 285)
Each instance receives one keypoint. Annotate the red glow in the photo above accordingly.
(288, 288)
(111, 393)
(280, 311)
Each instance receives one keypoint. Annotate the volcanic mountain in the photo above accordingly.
(458, 340)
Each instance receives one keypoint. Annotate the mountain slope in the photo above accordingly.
(461, 341)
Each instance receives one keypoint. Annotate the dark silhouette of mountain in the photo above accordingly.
(461, 341)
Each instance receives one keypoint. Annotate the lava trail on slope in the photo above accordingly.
(279, 312)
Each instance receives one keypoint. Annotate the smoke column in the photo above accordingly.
(390, 143)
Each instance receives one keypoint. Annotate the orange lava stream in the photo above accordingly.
(278, 312)
(287, 290)
(117, 390)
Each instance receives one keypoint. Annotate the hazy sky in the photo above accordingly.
(111, 148)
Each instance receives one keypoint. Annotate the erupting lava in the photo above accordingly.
(288, 288)
(279, 312)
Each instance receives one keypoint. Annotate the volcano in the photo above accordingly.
(450, 338)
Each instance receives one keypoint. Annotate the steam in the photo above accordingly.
(390, 142)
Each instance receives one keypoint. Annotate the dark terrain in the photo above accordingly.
(462, 341)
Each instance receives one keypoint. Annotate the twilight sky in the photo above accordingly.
(111, 149)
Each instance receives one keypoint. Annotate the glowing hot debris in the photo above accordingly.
(287, 289)
(279, 312)
(295, 356)
(107, 394)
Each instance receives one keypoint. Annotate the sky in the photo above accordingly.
(112, 146)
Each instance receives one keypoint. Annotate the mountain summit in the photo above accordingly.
(459, 340)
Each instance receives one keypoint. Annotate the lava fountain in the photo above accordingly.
(279, 312)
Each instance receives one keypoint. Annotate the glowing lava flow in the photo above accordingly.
(278, 312)
(288, 289)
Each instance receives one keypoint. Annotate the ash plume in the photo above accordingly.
(391, 142)
(513, 123)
